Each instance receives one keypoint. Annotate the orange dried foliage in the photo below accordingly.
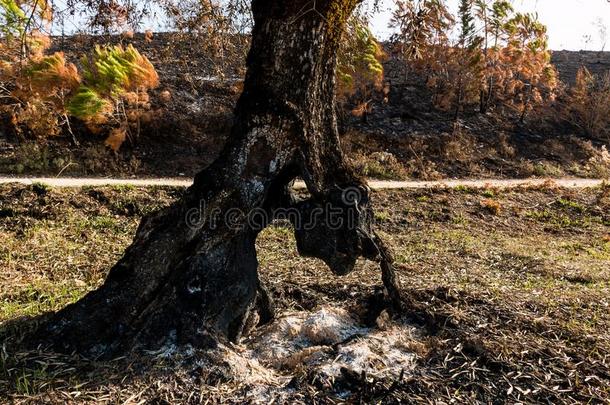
(116, 138)
(504, 63)
(587, 104)
(492, 206)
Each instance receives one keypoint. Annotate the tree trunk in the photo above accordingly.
(190, 275)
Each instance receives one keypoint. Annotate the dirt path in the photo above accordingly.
(375, 184)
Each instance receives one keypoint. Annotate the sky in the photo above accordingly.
(572, 24)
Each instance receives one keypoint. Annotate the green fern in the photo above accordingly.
(88, 103)
(116, 70)
(107, 74)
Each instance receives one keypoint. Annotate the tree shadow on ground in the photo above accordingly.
(470, 347)
(34, 373)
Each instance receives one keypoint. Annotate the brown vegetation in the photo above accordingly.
(41, 90)
(506, 63)
(586, 105)
(387, 119)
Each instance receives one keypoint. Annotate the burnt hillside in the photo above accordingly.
(403, 136)
(568, 63)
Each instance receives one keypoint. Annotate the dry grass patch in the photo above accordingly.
(510, 304)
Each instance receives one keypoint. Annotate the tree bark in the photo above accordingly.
(190, 275)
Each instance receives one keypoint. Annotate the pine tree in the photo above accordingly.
(467, 26)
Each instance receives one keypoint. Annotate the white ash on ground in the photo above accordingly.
(324, 341)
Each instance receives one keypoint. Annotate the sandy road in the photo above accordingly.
(374, 184)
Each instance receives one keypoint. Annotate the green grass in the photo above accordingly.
(466, 189)
(565, 203)
(39, 298)
(489, 193)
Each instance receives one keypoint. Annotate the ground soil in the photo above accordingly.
(507, 294)
(403, 137)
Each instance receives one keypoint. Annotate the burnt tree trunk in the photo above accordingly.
(190, 276)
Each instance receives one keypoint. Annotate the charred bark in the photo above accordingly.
(190, 276)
